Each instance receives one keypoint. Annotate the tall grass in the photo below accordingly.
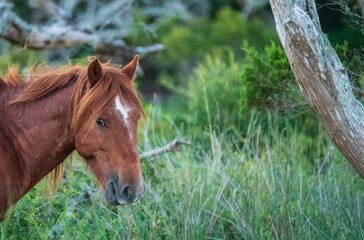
(217, 188)
(257, 176)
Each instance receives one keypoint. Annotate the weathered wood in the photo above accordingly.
(57, 35)
(321, 76)
(170, 147)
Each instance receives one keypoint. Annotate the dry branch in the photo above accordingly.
(53, 9)
(355, 13)
(170, 147)
(57, 35)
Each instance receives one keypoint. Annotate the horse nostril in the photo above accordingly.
(110, 194)
(126, 192)
(129, 194)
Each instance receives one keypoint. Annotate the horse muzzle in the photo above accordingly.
(123, 193)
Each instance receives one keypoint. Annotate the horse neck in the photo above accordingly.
(41, 136)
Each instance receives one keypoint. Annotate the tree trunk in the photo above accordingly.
(321, 77)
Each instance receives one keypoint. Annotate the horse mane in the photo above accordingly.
(12, 79)
(42, 82)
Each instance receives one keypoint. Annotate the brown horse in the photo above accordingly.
(93, 109)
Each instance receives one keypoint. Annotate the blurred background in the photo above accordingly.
(212, 72)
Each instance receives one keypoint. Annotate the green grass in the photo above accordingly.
(258, 185)
(256, 176)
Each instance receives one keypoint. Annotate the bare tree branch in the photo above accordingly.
(322, 77)
(356, 18)
(55, 36)
(361, 5)
(56, 11)
(170, 147)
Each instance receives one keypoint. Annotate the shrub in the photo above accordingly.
(268, 86)
(187, 43)
(210, 99)
(268, 82)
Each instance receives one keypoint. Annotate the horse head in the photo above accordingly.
(105, 131)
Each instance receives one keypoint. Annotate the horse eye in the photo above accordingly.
(101, 122)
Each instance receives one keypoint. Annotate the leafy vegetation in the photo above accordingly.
(260, 166)
(19, 57)
(264, 189)
(250, 176)
(188, 42)
(268, 82)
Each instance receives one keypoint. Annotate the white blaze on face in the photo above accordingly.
(124, 112)
(121, 109)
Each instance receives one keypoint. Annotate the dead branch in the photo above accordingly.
(170, 147)
(355, 13)
(56, 11)
(55, 36)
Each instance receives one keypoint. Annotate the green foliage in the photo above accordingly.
(69, 193)
(342, 22)
(19, 57)
(268, 82)
(210, 103)
(266, 189)
(31, 218)
(211, 94)
(255, 175)
(22, 9)
(188, 42)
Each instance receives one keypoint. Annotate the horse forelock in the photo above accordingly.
(113, 83)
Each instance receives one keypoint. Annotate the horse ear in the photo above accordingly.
(130, 69)
(94, 72)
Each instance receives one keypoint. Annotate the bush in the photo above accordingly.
(210, 99)
(188, 42)
(268, 82)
